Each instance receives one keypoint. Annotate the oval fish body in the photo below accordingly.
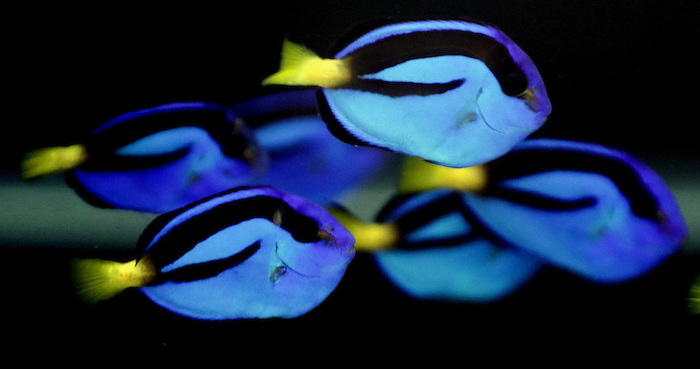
(160, 159)
(304, 157)
(447, 253)
(592, 210)
(452, 92)
(247, 253)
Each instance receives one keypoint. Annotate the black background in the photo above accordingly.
(621, 73)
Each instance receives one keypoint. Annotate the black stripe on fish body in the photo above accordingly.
(133, 162)
(186, 235)
(333, 124)
(425, 214)
(524, 162)
(293, 102)
(219, 123)
(162, 220)
(399, 89)
(538, 201)
(438, 242)
(396, 49)
(207, 269)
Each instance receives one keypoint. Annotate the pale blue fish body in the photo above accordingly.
(304, 157)
(446, 253)
(253, 252)
(162, 158)
(476, 117)
(592, 210)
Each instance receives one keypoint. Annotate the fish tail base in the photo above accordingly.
(369, 237)
(301, 66)
(98, 280)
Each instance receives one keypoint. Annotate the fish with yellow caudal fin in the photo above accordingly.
(452, 92)
(165, 157)
(431, 246)
(252, 252)
(156, 159)
(592, 210)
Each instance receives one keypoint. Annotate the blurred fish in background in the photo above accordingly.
(432, 246)
(159, 159)
(304, 158)
(592, 210)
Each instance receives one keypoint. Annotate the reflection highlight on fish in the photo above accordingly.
(453, 92)
(595, 211)
(156, 159)
(252, 252)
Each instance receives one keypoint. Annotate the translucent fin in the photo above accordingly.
(369, 237)
(419, 175)
(52, 159)
(97, 280)
(303, 67)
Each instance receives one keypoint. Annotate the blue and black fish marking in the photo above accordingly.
(593, 210)
(304, 157)
(251, 252)
(452, 92)
(446, 252)
(173, 154)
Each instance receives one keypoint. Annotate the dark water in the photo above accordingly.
(620, 73)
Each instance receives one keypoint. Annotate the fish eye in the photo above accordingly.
(514, 83)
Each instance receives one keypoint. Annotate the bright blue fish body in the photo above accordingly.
(447, 253)
(304, 157)
(247, 253)
(595, 211)
(452, 92)
(162, 158)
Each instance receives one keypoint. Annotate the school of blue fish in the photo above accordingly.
(249, 224)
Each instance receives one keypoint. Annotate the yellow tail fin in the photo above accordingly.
(369, 237)
(419, 175)
(97, 280)
(302, 67)
(52, 159)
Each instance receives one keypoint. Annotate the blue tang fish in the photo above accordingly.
(304, 157)
(252, 252)
(156, 159)
(592, 210)
(452, 92)
(432, 246)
